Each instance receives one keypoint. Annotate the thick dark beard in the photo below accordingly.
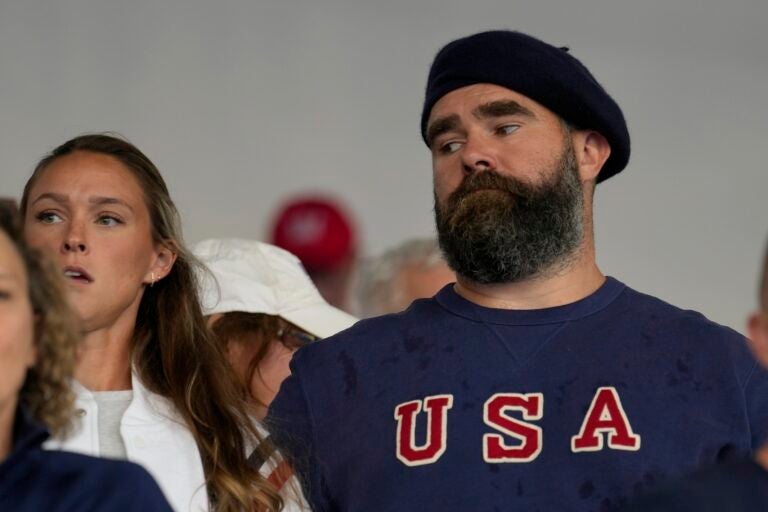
(498, 229)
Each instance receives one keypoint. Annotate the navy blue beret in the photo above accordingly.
(548, 75)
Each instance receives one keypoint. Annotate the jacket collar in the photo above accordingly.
(146, 409)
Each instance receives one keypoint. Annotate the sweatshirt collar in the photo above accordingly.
(601, 298)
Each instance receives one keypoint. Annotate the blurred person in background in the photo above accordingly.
(389, 282)
(153, 385)
(319, 231)
(9, 210)
(262, 307)
(38, 353)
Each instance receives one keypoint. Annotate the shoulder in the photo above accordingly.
(97, 484)
(370, 336)
(666, 317)
(682, 333)
(129, 486)
(335, 372)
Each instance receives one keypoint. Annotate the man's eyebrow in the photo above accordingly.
(501, 108)
(106, 201)
(440, 126)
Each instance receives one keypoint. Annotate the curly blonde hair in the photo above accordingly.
(47, 391)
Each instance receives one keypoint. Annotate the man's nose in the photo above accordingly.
(478, 156)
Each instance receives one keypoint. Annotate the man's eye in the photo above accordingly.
(48, 217)
(450, 147)
(507, 129)
(108, 220)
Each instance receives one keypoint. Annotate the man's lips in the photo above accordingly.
(487, 189)
(77, 274)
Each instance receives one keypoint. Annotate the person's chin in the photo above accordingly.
(83, 308)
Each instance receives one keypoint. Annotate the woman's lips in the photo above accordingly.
(77, 274)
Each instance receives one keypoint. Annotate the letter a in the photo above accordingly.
(436, 408)
(605, 417)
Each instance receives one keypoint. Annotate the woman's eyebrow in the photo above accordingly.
(105, 201)
(59, 198)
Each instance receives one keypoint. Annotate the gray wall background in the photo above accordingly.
(242, 102)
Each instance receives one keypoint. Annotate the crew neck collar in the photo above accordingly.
(598, 300)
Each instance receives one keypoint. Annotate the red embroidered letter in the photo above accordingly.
(605, 417)
(436, 408)
(532, 407)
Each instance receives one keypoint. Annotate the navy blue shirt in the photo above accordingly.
(33, 479)
(738, 486)
(451, 406)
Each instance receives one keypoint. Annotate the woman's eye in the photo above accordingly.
(108, 220)
(48, 217)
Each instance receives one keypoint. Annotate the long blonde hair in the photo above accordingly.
(174, 353)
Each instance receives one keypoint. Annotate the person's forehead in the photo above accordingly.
(92, 174)
(471, 96)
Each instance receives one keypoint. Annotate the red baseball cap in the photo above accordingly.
(317, 230)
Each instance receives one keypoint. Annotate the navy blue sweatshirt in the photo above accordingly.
(450, 406)
(736, 486)
(33, 479)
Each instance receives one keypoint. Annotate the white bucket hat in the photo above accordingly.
(255, 277)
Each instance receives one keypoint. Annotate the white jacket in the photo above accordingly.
(158, 439)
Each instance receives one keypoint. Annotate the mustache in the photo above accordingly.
(492, 180)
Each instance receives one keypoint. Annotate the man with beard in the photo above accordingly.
(534, 382)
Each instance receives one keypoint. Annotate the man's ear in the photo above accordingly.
(757, 326)
(592, 150)
(163, 260)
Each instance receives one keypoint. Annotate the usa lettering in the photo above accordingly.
(436, 408)
(495, 449)
(514, 438)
